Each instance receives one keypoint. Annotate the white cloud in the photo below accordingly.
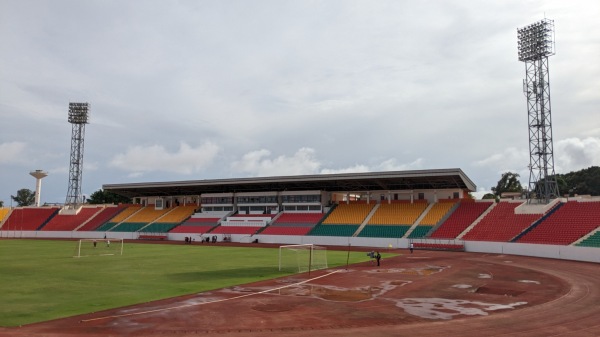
(305, 161)
(186, 160)
(258, 163)
(511, 159)
(358, 168)
(573, 154)
(387, 165)
(393, 165)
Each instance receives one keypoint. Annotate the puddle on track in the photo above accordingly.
(440, 308)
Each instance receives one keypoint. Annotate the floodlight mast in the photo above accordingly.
(78, 117)
(536, 44)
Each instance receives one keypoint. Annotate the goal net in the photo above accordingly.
(302, 258)
(98, 247)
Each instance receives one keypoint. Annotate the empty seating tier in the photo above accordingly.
(248, 230)
(69, 222)
(158, 227)
(106, 226)
(148, 214)
(466, 213)
(298, 219)
(101, 218)
(420, 231)
(568, 224)
(334, 230)
(349, 214)
(127, 212)
(3, 213)
(28, 219)
(591, 241)
(129, 227)
(383, 231)
(286, 230)
(501, 224)
(199, 229)
(403, 213)
(436, 213)
(178, 214)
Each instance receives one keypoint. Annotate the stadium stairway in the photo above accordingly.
(535, 224)
(478, 220)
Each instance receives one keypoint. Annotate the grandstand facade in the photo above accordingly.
(431, 209)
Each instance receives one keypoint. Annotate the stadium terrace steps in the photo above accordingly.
(437, 212)
(383, 231)
(247, 230)
(177, 214)
(334, 230)
(126, 213)
(349, 214)
(147, 214)
(501, 224)
(4, 212)
(29, 218)
(101, 218)
(591, 241)
(466, 213)
(128, 227)
(158, 227)
(397, 213)
(69, 222)
(298, 219)
(435, 216)
(420, 231)
(566, 225)
(286, 230)
(195, 229)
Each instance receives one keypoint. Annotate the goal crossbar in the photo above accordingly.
(302, 257)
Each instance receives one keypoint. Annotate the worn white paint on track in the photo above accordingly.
(209, 302)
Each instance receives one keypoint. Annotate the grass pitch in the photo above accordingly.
(40, 279)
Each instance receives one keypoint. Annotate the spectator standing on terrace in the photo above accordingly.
(378, 258)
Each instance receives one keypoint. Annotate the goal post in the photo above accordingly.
(303, 257)
(98, 247)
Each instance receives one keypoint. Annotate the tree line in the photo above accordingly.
(582, 182)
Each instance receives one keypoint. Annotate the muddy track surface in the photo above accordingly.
(422, 294)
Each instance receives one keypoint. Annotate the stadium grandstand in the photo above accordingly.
(431, 209)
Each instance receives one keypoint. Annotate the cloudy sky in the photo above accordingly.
(186, 90)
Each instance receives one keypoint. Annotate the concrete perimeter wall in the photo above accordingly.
(587, 254)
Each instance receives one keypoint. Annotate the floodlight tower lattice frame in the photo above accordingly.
(78, 117)
(536, 44)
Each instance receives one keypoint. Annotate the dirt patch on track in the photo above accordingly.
(432, 293)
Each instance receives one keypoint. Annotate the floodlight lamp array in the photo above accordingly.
(536, 41)
(78, 113)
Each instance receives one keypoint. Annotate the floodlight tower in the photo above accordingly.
(78, 117)
(536, 44)
(38, 175)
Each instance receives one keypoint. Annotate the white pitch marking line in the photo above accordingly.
(215, 301)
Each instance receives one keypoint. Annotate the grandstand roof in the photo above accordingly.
(341, 182)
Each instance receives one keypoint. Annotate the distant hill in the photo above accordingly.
(586, 181)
